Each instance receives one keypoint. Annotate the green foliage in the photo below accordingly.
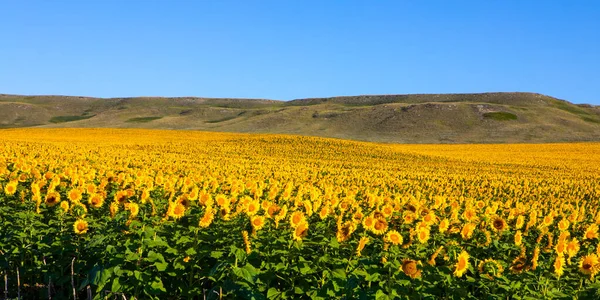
(500, 116)
(143, 119)
(63, 119)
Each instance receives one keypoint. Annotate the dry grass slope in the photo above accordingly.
(419, 118)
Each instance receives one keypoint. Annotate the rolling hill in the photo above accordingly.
(418, 118)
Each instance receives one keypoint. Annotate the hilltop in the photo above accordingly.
(418, 118)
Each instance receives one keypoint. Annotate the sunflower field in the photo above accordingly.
(151, 214)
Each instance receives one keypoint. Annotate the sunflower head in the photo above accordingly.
(410, 268)
(498, 224)
(52, 199)
(80, 226)
(462, 264)
(394, 237)
(589, 265)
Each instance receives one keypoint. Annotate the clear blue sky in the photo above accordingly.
(288, 49)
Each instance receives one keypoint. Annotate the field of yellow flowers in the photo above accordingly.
(183, 214)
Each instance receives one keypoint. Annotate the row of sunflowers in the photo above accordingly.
(166, 214)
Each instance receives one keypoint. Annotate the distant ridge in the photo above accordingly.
(416, 118)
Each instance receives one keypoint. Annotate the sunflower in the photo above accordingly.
(272, 210)
(467, 230)
(409, 267)
(394, 237)
(361, 245)
(90, 189)
(258, 222)
(591, 232)
(297, 218)
(133, 209)
(498, 224)
(423, 234)
(114, 209)
(435, 255)
(536, 257)
(120, 197)
(80, 226)
(252, 207)
(207, 219)
(490, 268)
(548, 220)
(563, 224)
(589, 265)
(324, 212)
(246, 241)
(52, 199)
(572, 248)
(368, 222)
(380, 226)
(11, 188)
(96, 200)
(559, 265)
(74, 195)
(462, 264)
(518, 265)
(444, 224)
(387, 211)
(300, 231)
(344, 231)
(64, 205)
(518, 238)
(560, 248)
(520, 222)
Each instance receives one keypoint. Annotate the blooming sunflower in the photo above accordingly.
(207, 218)
(410, 268)
(462, 264)
(591, 232)
(96, 200)
(518, 265)
(394, 237)
(361, 245)
(467, 230)
(252, 207)
(74, 195)
(297, 218)
(518, 238)
(380, 226)
(64, 205)
(572, 248)
(589, 265)
(258, 222)
(423, 234)
(559, 265)
(80, 226)
(444, 224)
(133, 209)
(344, 231)
(498, 224)
(11, 188)
(520, 222)
(52, 199)
(300, 231)
(563, 224)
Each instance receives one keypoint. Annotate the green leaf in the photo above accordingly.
(153, 256)
(333, 243)
(273, 293)
(190, 251)
(161, 266)
(380, 295)
(157, 285)
(116, 286)
(216, 254)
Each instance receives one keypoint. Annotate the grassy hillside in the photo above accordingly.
(422, 118)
